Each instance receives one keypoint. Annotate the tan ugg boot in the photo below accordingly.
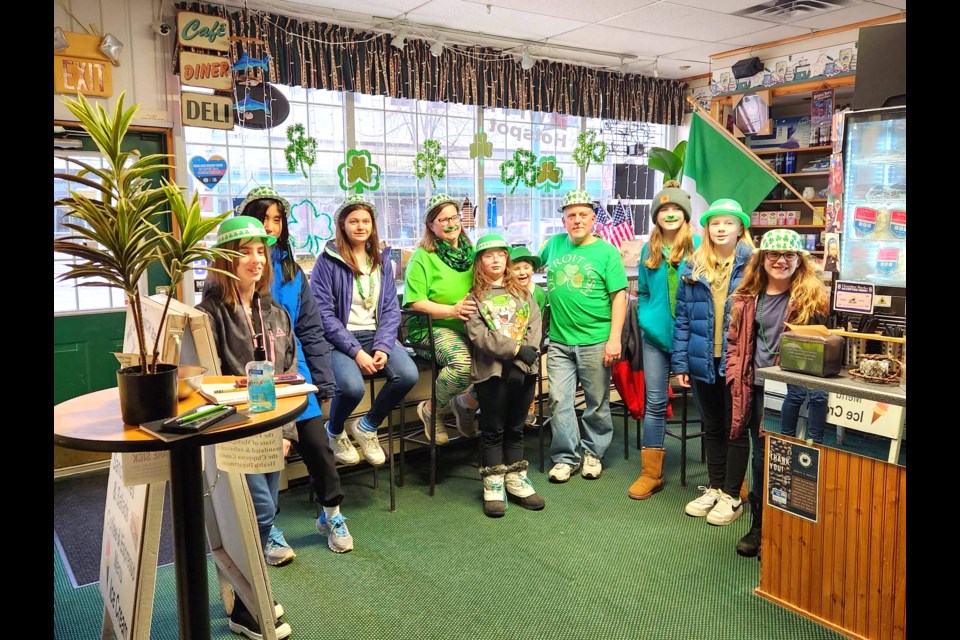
(744, 493)
(651, 474)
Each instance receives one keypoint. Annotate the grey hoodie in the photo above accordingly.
(493, 347)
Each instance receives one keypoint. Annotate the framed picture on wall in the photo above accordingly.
(751, 114)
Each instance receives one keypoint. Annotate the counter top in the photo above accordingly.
(843, 384)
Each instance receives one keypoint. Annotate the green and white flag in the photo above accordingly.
(716, 167)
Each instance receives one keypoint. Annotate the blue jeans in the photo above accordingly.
(566, 364)
(401, 376)
(656, 377)
(816, 412)
(265, 492)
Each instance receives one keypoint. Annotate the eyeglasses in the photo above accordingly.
(445, 222)
(773, 256)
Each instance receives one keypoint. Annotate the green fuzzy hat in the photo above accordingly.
(242, 228)
(670, 194)
(577, 196)
(782, 240)
(261, 193)
(490, 241)
(725, 207)
(355, 199)
(522, 253)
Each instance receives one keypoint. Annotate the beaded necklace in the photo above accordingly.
(367, 298)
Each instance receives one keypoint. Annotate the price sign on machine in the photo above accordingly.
(853, 296)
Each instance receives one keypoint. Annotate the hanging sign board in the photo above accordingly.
(868, 416)
(82, 68)
(203, 70)
(793, 477)
(200, 31)
(205, 110)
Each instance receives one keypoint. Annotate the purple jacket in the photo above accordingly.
(332, 286)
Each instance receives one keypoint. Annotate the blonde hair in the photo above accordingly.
(705, 262)
(482, 284)
(346, 250)
(227, 285)
(429, 240)
(807, 297)
(682, 246)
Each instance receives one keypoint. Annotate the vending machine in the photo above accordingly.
(873, 243)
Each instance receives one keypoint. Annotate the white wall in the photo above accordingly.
(144, 70)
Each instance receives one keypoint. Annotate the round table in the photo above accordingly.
(92, 423)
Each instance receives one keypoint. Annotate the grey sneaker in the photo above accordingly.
(465, 416)
(338, 537)
(343, 450)
(277, 552)
(424, 413)
(592, 468)
(369, 443)
(562, 471)
(703, 505)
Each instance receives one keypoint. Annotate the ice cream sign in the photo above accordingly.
(887, 259)
(878, 418)
(898, 223)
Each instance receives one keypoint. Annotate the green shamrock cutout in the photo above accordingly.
(314, 241)
(480, 147)
(589, 148)
(549, 175)
(359, 172)
(429, 163)
(522, 167)
(302, 151)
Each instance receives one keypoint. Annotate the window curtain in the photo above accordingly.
(318, 55)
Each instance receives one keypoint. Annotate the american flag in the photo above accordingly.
(617, 229)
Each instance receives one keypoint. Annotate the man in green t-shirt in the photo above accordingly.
(587, 285)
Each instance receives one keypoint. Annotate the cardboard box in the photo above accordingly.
(812, 350)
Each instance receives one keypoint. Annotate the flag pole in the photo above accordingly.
(760, 163)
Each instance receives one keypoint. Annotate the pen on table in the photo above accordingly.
(190, 417)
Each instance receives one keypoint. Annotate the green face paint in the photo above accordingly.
(449, 229)
(671, 218)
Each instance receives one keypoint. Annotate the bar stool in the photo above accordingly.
(683, 435)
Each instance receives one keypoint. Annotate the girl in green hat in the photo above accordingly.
(780, 285)
(504, 334)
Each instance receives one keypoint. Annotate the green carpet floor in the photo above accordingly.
(593, 564)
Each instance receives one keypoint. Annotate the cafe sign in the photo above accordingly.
(205, 110)
(81, 68)
(200, 31)
(203, 70)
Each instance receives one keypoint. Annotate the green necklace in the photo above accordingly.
(763, 337)
(367, 297)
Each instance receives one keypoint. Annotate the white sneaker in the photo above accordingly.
(562, 471)
(343, 450)
(704, 504)
(592, 468)
(727, 509)
(466, 418)
(369, 443)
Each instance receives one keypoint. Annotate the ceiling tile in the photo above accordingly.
(607, 38)
(896, 4)
(382, 8)
(771, 34)
(593, 11)
(676, 20)
(849, 15)
(456, 14)
(721, 6)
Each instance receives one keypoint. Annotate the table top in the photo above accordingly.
(92, 423)
(843, 384)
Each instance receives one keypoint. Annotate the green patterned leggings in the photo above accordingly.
(453, 358)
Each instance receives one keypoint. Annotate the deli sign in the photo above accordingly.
(205, 110)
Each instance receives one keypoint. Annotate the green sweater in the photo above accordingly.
(653, 301)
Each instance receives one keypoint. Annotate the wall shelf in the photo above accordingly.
(793, 200)
(804, 174)
(787, 226)
(767, 152)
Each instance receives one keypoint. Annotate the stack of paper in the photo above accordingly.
(228, 393)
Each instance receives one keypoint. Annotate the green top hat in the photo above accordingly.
(261, 193)
(491, 241)
(577, 196)
(725, 207)
(243, 228)
(522, 253)
(440, 199)
(355, 199)
(782, 240)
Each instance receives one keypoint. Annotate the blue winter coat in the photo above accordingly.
(693, 329)
(332, 286)
(313, 349)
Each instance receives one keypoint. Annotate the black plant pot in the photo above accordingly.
(146, 397)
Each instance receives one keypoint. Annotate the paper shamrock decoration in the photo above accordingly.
(429, 163)
(549, 175)
(522, 167)
(480, 147)
(302, 151)
(359, 172)
(314, 241)
(589, 148)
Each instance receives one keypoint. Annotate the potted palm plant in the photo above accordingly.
(112, 213)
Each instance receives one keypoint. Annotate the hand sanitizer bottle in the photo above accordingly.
(261, 392)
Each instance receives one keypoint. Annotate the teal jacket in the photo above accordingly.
(653, 301)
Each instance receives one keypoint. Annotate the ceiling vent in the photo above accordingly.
(787, 11)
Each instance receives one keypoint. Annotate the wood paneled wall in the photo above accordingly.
(848, 570)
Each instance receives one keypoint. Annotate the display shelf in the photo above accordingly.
(787, 226)
(767, 152)
(793, 200)
(804, 174)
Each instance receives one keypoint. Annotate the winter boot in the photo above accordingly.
(651, 474)
(494, 503)
(519, 489)
(749, 544)
(744, 492)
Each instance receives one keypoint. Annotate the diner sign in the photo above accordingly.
(204, 70)
(201, 31)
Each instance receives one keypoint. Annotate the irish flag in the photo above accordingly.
(716, 167)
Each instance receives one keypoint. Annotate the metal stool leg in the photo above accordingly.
(403, 428)
(393, 496)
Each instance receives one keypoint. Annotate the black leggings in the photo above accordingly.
(503, 410)
(725, 457)
(314, 448)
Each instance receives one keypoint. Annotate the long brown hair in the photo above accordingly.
(428, 240)
(346, 249)
(482, 284)
(680, 250)
(807, 297)
(226, 284)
